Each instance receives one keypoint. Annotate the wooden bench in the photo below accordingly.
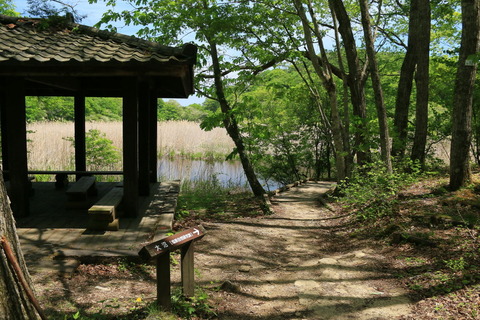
(103, 214)
(81, 189)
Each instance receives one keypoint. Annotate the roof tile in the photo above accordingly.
(21, 40)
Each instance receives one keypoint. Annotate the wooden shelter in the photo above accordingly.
(42, 58)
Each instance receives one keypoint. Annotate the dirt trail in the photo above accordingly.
(296, 264)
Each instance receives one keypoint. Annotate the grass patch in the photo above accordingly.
(208, 200)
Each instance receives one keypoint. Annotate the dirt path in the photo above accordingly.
(296, 264)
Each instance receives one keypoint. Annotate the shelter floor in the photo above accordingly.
(53, 230)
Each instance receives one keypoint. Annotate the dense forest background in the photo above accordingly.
(314, 88)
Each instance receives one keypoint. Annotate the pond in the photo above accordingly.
(228, 173)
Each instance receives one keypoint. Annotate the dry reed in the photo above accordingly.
(49, 150)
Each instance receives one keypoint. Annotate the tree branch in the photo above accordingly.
(335, 70)
(256, 69)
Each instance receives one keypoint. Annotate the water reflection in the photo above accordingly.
(228, 173)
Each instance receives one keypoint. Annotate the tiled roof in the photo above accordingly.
(23, 40)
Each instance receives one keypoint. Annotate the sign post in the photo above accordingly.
(188, 274)
(163, 281)
(160, 249)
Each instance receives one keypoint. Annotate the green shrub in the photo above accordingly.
(371, 191)
(192, 307)
(101, 154)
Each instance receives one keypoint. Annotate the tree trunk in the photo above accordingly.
(464, 85)
(356, 78)
(231, 125)
(422, 82)
(404, 91)
(345, 100)
(328, 83)
(14, 302)
(377, 87)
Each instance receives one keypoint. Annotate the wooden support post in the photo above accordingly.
(153, 132)
(163, 281)
(17, 146)
(130, 149)
(188, 274)
(3, 128)
(80, 144)
(144, 139)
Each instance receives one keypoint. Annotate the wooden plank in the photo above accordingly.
(102, 213)
(80, 189)
(174, 186)
(81, 173)
(169, 205)
(95, 253)
(112, 198)
(171, 243)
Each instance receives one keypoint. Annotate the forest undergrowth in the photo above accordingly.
(433, 240)
(432, 235)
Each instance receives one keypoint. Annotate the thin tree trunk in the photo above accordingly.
(404, 90)
(329, 85)
(460, 173)
(377, 87)
(14, 302)
(346, 113)
(422, 82)
(231, 125)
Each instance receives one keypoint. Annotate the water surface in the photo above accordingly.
(228, 173)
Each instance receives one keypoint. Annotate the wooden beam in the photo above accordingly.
(162, 86)
(144, 138)
(99, 69)
(80, 144)
(130, 148)
(65, 83)
(17, 146)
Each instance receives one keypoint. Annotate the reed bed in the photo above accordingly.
(187, 138)
(49, 150)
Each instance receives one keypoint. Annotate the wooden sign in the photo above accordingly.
(171, 243)
(157, 249)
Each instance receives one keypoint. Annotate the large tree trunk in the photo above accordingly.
(464, 85)
(231, 125)
(422, 82)
(14, 301)
(356, 78)
(404, 90)
(377, 87)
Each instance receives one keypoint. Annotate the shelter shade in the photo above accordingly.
(80, 61)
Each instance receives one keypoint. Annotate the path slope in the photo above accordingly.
(297, 264)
